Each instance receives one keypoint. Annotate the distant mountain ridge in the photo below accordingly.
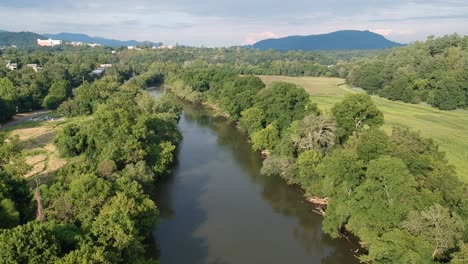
(19, 39)
(338, 40)
(99, 40)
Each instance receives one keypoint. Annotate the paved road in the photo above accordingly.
(18, 119)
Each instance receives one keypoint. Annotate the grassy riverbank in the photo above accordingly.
(447, 128)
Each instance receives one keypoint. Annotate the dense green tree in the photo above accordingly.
(438, 226)
(407, 143)
(401, 85)
(372, 144)
(78, 201)
(393, 196)
(354, 113)
(449, 94)
(58, 92)
(87, 253)
(71, 141)
(7, 90)
(461, 256)
(238, 95)
(30, 243)
(267, 138)
(282, 103)
(8, 97)
(370, 76)
(252, 120)
(15, 195)
(342, 171)
(399, 246)
(307, 163)
(9, 215)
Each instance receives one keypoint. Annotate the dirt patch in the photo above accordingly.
(31, 133)
(33, 160)
(39, 140)
(54, 162)
(36, 169)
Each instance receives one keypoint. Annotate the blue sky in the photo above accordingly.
(226, 23)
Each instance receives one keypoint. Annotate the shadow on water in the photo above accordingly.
(217, 207)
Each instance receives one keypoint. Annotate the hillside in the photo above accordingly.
(20, 39)
(99, 40)
(339, 40)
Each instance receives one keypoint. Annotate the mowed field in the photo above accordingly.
(448, 128)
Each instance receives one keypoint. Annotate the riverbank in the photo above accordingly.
(219, 208)
(374, 180)
(319, 203)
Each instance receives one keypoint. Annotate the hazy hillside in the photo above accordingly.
(87, 39)
(20, 39)
(339, 40)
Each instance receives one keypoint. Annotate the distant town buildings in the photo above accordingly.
(164, 47)
(48, 42)
(78, 44)
(93, 45)
(133, 48)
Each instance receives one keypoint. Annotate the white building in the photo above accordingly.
(48, 42)
(93, 45)
(164, 47)
(35, 67)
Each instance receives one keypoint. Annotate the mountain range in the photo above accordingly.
(339, 40)
(98, 40)
(28, 39)
(19, 39)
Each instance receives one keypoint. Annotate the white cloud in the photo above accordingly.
(252, 38)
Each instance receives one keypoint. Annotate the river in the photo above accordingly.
(217, 208)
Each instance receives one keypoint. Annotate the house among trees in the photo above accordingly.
(12, 66)
(35, 67)
(99, 71)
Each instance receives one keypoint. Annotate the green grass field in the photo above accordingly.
(448, 128)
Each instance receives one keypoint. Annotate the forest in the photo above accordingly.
(98, 208)
(395, 192)
(434, 71)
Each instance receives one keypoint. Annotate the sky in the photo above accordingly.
(215, 23)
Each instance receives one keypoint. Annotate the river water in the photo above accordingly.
(217, 208)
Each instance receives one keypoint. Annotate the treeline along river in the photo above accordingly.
(218, 208)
